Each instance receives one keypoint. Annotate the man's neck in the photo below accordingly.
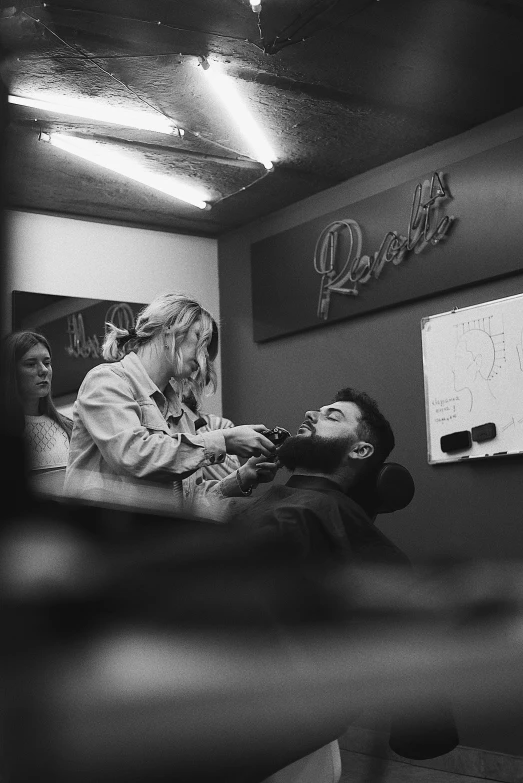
(339, 477)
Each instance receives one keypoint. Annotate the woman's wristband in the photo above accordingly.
(242, 490)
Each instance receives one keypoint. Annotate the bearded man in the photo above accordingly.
(335, 450)
(334, 456)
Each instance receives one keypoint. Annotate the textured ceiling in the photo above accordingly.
(339, 87)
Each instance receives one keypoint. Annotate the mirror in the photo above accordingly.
(75, 329)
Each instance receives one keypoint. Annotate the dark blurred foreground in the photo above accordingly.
(146, 648)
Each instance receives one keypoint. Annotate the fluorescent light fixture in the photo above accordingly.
(226, 91)
(92, 110)
(109, 159)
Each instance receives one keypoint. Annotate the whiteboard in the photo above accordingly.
(473, 377)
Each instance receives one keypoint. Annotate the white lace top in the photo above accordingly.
(47, 443)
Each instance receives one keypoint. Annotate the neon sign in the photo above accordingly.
(344, 238)
(82, 346)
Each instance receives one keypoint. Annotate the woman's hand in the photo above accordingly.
(257, 471)
(247, 441)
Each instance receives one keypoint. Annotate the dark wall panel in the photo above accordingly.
(484, 195)
(472, 510)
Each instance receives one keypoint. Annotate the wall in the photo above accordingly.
(80, 258)
(470, 510)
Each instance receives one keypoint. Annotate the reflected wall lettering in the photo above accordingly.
(82, 346)
(75, 329)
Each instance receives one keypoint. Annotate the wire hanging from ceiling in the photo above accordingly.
(291, 34)
(293, 31)
(152, 22)
(83, 55)
(288, 36)
(240, 190)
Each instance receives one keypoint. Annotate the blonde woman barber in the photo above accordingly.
(131, 433)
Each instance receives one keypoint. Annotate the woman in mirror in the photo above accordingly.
(132, 435)
(28, 401)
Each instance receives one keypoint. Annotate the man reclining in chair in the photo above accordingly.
(313, 515)
(337, 450)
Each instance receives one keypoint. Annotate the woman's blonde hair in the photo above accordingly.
(177, 313)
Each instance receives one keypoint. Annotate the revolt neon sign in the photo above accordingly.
(342, 240)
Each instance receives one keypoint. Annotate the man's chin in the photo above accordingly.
(311, 452)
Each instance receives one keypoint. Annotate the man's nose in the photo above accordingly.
(312, 416)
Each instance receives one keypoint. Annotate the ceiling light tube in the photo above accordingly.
(106, 157)
(91, 110)
(226, 90)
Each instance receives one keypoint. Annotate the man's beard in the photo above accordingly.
(312, 452)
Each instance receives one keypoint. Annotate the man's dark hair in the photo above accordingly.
(373, 426)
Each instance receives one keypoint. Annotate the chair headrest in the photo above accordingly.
(395, 487)
(390, 490)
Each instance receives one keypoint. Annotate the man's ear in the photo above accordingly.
(361, 450)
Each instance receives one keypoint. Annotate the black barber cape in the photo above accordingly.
(312, 518)
(309, 518)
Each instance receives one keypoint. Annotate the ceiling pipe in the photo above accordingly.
(239, 162)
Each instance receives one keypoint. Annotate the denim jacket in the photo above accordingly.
(129, 440)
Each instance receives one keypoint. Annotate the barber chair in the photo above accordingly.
(390, 489)
(414, 737)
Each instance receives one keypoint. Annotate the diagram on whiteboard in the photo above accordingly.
(473, 372)
(478, 358)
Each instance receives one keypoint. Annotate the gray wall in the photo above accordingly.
(473, 509)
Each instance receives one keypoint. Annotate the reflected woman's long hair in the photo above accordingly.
(14, 347)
